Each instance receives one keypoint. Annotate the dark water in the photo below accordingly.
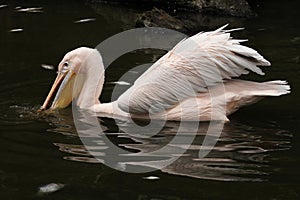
(257, 156)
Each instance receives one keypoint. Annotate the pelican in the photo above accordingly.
(195, 81)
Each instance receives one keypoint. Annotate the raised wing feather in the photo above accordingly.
(195, 63)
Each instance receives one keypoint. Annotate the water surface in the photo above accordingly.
(256, 156)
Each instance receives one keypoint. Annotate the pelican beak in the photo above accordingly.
(62, 89)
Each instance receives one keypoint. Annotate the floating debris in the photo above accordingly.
(261, 29)
(29, 10)
(15, 30)
(119, 83)
(85, 20)
(134, 72)
(3, 6)
(48, 67)
(50, 188)
(151, 178)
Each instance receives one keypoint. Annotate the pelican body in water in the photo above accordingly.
(195, 81)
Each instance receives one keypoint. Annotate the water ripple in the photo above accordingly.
(241, 153)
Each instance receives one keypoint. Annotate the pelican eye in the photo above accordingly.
(66, 64)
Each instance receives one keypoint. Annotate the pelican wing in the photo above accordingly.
(193, 65)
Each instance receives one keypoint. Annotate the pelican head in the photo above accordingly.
(80, 68)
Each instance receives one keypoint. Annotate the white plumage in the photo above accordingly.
(193, 81)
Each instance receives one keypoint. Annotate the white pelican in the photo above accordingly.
(179, 86)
